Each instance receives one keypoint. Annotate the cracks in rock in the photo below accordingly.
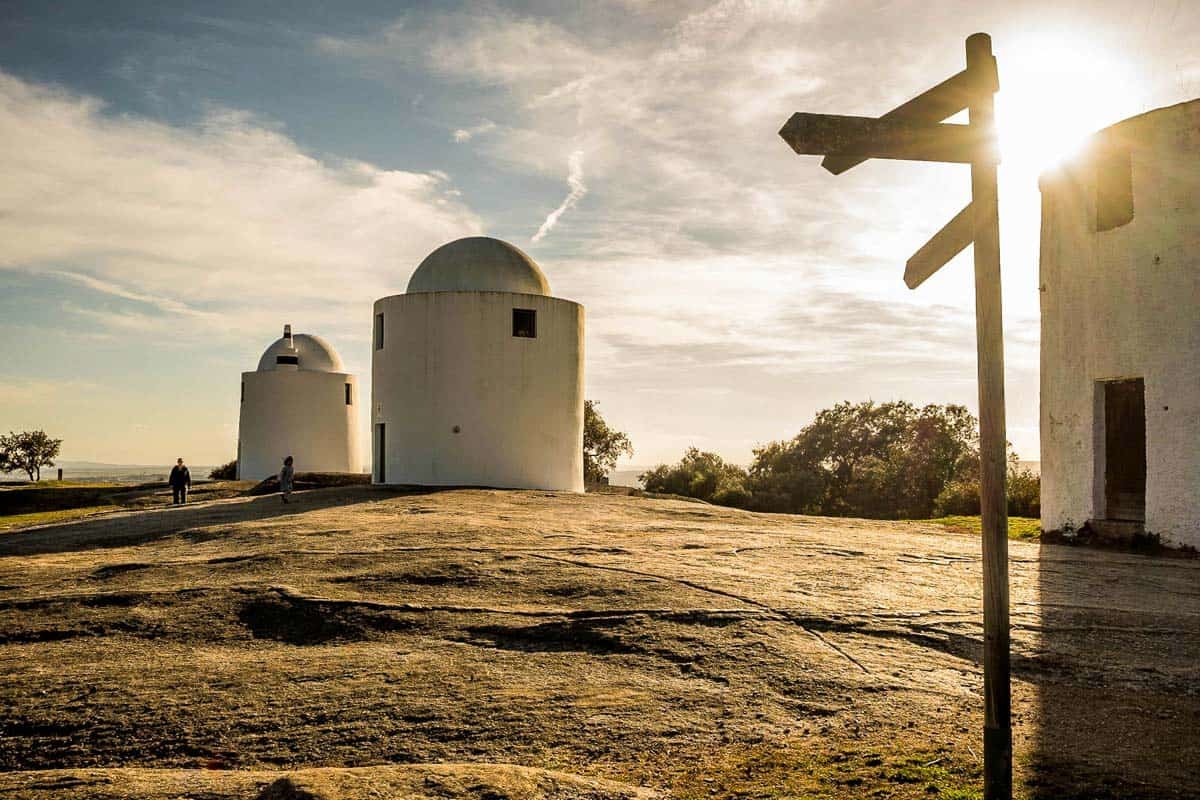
(713, 590)
(666, 614)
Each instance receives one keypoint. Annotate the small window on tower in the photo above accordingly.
(349, 395)
(525, 323)
(1114, 189)
(379, 331)
(243, 391)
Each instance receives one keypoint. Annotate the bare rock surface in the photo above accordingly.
(483, 781)
(531, 644)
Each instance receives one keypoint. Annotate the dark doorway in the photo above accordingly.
(1125, 450)
(380, 441)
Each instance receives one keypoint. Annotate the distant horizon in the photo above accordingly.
(83, 463)
(620, 468)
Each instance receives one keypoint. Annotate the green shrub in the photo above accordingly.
(704, 476)
(225, 472)
(960, 498)
(1024, 493)
(733, 496)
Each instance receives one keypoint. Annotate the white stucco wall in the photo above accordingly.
(1119, 304)
(300, 413)
(449, 360)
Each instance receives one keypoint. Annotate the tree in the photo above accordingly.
(602, 445)
(29, 451)
(866, 459)
(702, 475)
(876, 460)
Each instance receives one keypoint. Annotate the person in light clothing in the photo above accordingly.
(286, 478)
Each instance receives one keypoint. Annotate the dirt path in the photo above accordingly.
(676, 646)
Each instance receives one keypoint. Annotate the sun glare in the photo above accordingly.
(1055, 92)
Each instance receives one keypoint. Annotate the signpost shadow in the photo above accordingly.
(1116, 677)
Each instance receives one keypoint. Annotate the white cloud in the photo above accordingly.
(229, 224)
(712, 253)
(577, 190)
(466, 134)
(164, 304)
(117, 321)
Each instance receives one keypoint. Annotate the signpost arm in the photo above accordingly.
(997, 733)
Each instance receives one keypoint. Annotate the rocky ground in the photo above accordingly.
(371, 643)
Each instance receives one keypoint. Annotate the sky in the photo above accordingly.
(180, 180)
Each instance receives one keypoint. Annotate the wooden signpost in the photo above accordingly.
(915, 131)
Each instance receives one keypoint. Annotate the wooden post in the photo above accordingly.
(989, 333)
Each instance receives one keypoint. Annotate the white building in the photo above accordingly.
(477, 375)
(299, 402)
(1120, 371)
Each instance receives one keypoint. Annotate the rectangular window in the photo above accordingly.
(243, 391)
(379, 331)
(349, 396)
(1114, 189)
(287, 359)
(525, 323)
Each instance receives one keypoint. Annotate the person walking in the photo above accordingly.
(286, 478)
(181, 481)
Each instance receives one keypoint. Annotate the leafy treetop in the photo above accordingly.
(602, 445)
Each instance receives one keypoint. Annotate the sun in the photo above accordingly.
(1055, 91)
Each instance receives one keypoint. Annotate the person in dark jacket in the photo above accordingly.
(181, 481)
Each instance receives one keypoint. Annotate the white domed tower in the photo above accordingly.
(299, 402)
(477, 375)
(1120, 377)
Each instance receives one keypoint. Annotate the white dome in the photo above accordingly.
(312, 353)
(478, 264)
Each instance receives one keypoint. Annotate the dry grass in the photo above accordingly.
(54, 484)
(11, 521)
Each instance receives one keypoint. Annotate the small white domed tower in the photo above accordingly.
(299, 402)
(477, 375)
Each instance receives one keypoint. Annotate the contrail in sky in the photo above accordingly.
(578, 190)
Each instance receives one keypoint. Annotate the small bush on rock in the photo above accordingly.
(225, 472)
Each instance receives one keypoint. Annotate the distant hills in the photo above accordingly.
(115, 473)
(627, 477)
